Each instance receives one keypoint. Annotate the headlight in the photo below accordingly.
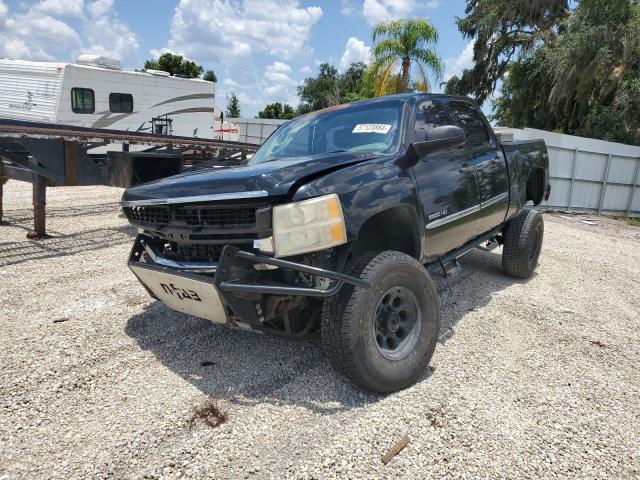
(308, 226)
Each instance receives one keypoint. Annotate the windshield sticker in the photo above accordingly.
(371, 128)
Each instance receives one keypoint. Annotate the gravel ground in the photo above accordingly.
(531, 379)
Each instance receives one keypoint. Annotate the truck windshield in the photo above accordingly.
(347, 128)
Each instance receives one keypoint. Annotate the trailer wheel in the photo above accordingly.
(382, 338)
(522, 244)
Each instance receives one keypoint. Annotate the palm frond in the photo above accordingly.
(380, 63)
(406, 42)
(420, 30)
(389, 46)
(428, 58)
(387, 78)
(390, 28)
(422, 83)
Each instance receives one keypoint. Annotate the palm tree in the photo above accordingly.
(404, 42)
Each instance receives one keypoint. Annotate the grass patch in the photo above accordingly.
(634, 222)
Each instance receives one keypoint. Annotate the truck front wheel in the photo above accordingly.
(382, 338)
(522, 244)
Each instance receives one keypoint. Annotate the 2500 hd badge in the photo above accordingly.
(337, 224)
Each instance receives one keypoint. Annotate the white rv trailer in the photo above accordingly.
(97, 93)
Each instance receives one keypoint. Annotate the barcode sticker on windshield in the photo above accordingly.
(371, 128)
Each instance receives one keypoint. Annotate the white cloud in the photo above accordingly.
(100, 7)
(305, 70)
(278, 72)
(455, 65)
(217, 29)
(347, 8)
(226, 34)
(354, 51)
(62, 29)
(64, 8)
(376, 11)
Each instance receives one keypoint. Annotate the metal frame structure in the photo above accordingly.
(50, 155)
(603, 182)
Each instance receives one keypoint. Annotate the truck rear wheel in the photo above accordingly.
(383, 338)
(522, 244)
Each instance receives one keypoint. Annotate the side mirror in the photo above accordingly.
(441, 138)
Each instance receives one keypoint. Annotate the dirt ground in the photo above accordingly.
(533, 379)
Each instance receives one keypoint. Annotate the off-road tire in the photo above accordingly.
(348, 338)
(522, 244)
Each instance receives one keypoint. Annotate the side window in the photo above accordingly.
(120, 102)
(82, 100)
(430, 114)
(468, 117)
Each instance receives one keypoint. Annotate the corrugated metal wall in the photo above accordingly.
(587, 174)
(255, 130)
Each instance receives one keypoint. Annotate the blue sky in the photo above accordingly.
(260, 49)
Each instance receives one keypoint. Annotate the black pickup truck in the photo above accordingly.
(335, 223)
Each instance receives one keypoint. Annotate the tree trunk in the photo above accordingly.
(404, 82)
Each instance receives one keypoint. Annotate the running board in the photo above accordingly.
(490, 245)
(452, 257)
(451, 269)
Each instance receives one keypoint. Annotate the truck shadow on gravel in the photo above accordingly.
(247, 368)
(61, 244)
(58, 243)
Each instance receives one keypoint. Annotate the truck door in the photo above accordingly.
(489, 162)
(447, 184)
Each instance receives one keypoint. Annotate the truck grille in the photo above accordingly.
(200, 253)
(198, 233)
(150, 215)
(192, 215)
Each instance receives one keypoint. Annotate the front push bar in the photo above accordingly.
(231, 255)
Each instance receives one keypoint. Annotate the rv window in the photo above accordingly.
(82, 100)
(121, 102)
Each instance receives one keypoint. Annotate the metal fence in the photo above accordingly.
(587, 174)
(255, 130)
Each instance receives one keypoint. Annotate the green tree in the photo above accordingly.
(502, 30)
(351, 83)
(584, 80)
(400, 45)
(319, 92)
(277, 111)
(210, 76)
(233, 106)
(331, 88)
(175, 65)
(456, 86)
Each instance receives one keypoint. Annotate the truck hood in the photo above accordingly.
(275, 177)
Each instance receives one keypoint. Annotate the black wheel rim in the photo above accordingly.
(397, 323)
(533, 247)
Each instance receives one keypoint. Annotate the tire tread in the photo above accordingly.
(516, 240)
(337, 337)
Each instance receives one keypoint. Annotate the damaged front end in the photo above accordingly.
(242, 289)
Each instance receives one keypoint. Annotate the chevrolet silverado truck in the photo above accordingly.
(335, 224)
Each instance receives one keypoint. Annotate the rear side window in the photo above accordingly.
(470, 119)
(429, 115)
(121, 102)
(82, 100)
